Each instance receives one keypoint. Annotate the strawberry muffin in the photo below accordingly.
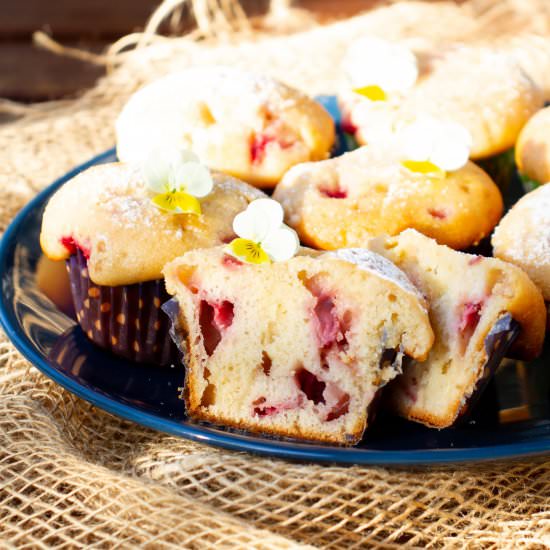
(479, 87)
(297, 347)
(250, 126)
(117, 225)
(425, 183)
(479, 309)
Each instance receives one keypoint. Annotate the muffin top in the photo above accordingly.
(523, 237)
(345, 201)
(481, 88)
(241, 123)
(533, 148)
(107, 212)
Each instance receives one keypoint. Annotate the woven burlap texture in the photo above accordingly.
(72, 475)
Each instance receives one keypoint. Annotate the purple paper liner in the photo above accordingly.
(497, 343)
(126, 320)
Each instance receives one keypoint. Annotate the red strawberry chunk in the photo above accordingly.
(223, 314)
(230, 261)
(341, 408)
(72, 245)
(333, 193)
(348, 126)
(437, 213)
(213, 319)
(260, 143)
(327, 325)
(261, 409)
(309, 384)
(471, 313)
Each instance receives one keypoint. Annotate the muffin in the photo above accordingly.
(298, 347)
(482, 89)
(240, 123)
(480, 308)
(379, 189)
(523, 237)
(533, 150)
(116, 234)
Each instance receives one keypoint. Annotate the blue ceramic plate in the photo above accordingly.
(511, 420)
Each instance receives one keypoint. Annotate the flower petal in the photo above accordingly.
(178, 202)
(193, 178)
(373, 61)
(268, 209)
(450, 156)
(258, 220)
(374, 93)
(417, 140)
(161, 162)
(422, 167)
(248, 251)
(281, 244)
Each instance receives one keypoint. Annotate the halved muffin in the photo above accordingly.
(296, 348)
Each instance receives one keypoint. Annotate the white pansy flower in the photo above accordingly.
(377, 67)
(178, 179)
(431, 145)
(262, 235)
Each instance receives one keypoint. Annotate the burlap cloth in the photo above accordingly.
(74, 476)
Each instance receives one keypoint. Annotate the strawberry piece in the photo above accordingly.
(260, 143)
(230, 261)
(73, 246)
(470, 316)
(309, 384)
(211, 335)
(348, 126)
(261, 409)
(437, 213)
(341, 408)
(328, 325)
(213, 319)
(333, 193)
(223, 314)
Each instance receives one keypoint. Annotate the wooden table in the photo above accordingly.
(28, 73)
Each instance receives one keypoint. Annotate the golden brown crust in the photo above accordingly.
(533, 148)
(107, 210)
(383, 197)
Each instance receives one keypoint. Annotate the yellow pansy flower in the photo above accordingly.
(178, 180)
(262, 235)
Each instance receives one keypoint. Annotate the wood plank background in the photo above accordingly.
(29, 74)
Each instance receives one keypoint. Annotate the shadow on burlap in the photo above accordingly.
(73, 476)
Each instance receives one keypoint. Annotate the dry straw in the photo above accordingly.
(74, 476)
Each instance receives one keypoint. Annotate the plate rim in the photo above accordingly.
(211, 435)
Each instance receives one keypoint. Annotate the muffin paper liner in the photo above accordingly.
(126, 320)
(497, 343)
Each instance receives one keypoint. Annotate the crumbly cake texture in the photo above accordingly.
(296, 348)
(482, 89)
(345, 201)
(533, 148)
(468, 296)
(106, 212)
(240, 123)
(523, 237)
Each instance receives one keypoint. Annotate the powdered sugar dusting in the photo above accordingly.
(380, 266)
(524, 233)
